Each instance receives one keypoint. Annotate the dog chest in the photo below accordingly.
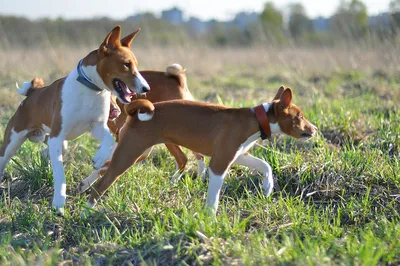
(83, 109)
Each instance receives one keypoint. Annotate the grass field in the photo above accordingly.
(340, 197)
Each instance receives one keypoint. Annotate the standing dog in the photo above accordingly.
(74, 105)
(225, 134)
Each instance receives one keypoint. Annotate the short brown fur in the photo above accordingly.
(209, 129)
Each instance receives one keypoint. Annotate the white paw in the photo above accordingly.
(175, 178)
(60, 211)
(58, 205)
(101, 157)
(268, 186)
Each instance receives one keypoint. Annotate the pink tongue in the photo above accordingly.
(114, 114)
(127, 92)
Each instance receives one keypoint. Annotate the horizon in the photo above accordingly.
(222, 10)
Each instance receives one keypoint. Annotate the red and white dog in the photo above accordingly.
(74, 105)
(225, 134)
(165, 86)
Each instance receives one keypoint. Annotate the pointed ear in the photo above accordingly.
(286, 98)
(112, 39)
(37, 83)
(279, 93)
(128, 39)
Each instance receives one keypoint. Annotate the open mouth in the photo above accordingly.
(114, 113)
(124, 93)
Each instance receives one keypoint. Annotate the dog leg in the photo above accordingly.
(180, 159)
(214, 189)
(263, 167)
(217, 171)
(127, 153)
(60, 185)
(107, 145)
(201, 166)
(45, 151)
(88, 182)
(11, 143)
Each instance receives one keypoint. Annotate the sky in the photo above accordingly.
(203, 9)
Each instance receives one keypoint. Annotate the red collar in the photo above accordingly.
(262, 119)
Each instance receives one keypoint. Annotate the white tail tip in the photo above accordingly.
(145, 116)
(24, 88)
(178, 66)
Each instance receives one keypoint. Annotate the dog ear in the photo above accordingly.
(112, 40)
(279, 93)
(37, 83)
(286, 98)
(128, 39)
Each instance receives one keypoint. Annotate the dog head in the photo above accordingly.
(118, 67)
(289, 117)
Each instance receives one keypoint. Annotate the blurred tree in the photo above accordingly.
(394, 9)
(299, 23)
(350, 19)
(272, 21)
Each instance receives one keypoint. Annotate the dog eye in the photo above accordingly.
(300, 116)
(127, 65)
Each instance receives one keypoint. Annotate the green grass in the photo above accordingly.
(339, 201)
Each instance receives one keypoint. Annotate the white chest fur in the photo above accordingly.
(82, 108)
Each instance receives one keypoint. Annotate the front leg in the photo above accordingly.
(263, 167)
(60, 186)
(107, 145)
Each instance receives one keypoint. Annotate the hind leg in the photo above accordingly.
(180, 159)
(60, 183)
(127, 153)
(201, 166)
(11, 143)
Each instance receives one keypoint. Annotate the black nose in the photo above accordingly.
(145, 89)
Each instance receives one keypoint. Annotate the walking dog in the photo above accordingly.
(74, 105)
(225, 134)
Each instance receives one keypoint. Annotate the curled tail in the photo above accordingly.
(27, 87)
(143, 107)
(177, 71)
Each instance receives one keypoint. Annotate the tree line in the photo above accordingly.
(348, 23)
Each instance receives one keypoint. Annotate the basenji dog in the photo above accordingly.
(165, 86)
(74, 105)
(225, 134)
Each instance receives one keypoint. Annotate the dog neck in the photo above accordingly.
(84, 79)
(266, 125)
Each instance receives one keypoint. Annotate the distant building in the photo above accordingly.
(196, 25)
(174, 15)
(141, 17)
(243, 19)
(320, 24)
